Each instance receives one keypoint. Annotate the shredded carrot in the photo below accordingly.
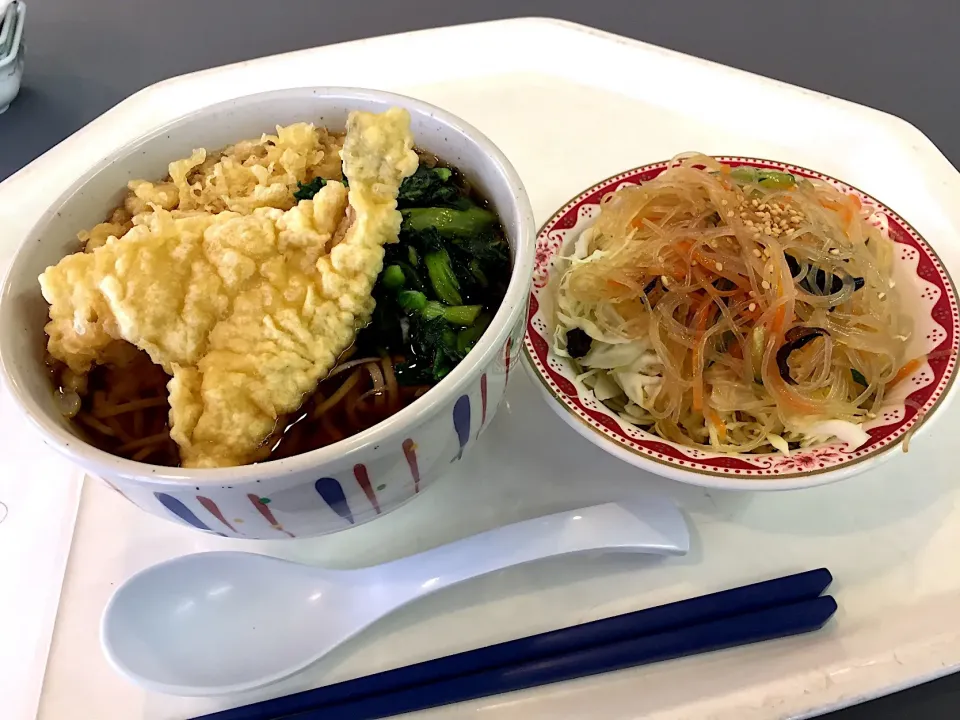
(779, 319)
(846, 212)
(907, 370)
(714, 419)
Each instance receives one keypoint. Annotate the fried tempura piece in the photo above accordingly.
(248, 312)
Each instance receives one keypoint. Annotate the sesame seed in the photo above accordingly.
(757, 252)
(768, 268)
(796, 219)
(834, 251)
(755, 202)
(729, 213)
(765, 285)
(664, 279)
(776, 230)
(752, 293)
(749, 223)
(719, 267)
(766, 252)
(881, 296)
(751, 307)
(775, 210)
(892, 284)
(724, 202)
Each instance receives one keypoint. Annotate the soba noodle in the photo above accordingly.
(125, 411)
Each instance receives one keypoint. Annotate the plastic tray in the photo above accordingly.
(570, 106)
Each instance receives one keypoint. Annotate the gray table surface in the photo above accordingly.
(84, 56)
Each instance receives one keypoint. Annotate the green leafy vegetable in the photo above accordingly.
(433, 345)
(442, 278)
(449, 223)
(393, 277)
(306, 191)
(412, 301)
(469, 336)
(441, 283)
(478, 274)
(772, 179)
(428, 187)
(858, 377)
(462, 315)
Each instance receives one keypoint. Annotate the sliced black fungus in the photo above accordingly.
(819, 285)
(651, 286)
(795, 339)
(578, 343)
(724, 285)
(794, 266)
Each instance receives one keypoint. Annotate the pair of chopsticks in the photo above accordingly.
(778, 608)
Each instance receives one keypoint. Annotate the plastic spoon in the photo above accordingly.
(224, 622)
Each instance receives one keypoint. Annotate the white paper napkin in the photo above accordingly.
(39, 499)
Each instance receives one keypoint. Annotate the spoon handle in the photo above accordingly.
(653, 526)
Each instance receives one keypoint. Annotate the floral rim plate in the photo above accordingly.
(923, 283)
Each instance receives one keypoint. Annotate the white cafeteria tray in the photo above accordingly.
(570, 106)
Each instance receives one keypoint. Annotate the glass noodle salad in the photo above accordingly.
(735, 309)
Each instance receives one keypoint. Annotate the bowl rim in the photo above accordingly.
(710, 478)
(83, 453)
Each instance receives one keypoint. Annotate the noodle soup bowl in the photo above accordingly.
(926, 293)
(322, 491)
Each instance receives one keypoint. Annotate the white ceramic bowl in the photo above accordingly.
(926, 292)
(325, 490)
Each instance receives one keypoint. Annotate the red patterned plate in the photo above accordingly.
(925, 289)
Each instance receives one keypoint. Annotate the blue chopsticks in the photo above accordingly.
(775, 608)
